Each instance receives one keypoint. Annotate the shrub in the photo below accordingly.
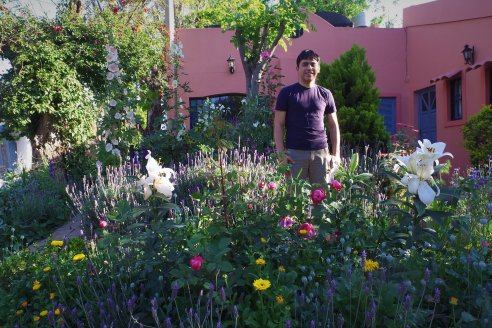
(32, 205)
(351, 80)
(477, 134)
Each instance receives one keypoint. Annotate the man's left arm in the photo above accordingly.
(334, 136)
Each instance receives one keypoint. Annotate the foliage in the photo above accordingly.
(180, 264)
(58, 77)
(351, 80)
(31, 206)
(477, 135)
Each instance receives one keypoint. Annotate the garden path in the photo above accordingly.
(68, 230)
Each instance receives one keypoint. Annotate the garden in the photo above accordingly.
(202, 227)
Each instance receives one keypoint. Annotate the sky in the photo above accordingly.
(392, 10)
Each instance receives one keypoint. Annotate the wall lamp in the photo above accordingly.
(231, 63)
(469, 54)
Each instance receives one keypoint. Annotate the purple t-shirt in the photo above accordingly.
(304, 120)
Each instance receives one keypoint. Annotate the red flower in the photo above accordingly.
(306, 230)
(115, 10)
(196, 262)
(336, 185)
(250, 206)
(103, 224)
(261, 185)
(318, 195)
(57, 28)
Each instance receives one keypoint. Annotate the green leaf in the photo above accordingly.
(354, 163)
(467, 317)
(226, 266)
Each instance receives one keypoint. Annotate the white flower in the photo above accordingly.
(131, 116)
(164, 186)
(117, 116)
(255, 124)
(116, 152)
(113, 68)
(125, 92)
(432, 151)
(112, 103)
(163, 127)
(109, 147)
(109, 76)
(175, 84)
(146, 182)
(243, 101)
(126, 108)
(112, 57)
(115, 142)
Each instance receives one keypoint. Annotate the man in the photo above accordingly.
(300, 112)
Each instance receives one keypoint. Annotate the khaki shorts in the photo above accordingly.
(311, 165)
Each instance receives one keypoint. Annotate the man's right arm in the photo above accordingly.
(278, 136)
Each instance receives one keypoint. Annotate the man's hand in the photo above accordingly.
(283, 158)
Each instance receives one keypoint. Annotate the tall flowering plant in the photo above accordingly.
(419, 168)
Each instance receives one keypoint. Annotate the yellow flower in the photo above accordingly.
(281, 268)
(303, 231)
(47, 269)
(453, 301)
(261, 284)
(263, 240)
(52, 296)
(260, 261)
(57, 312)
(19, 311)
(43, 313)
(79, 257)
(371, 266)
(280, 299)
(36, 285)
(58, 243)
(468, 247)
(36, 318)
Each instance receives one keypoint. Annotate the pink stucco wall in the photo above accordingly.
(405, 60)
(436, 34)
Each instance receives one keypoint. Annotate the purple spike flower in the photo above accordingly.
(437, 295)
(407, 303)
(427, 274)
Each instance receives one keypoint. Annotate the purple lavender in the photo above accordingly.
(169, 323)
(312, 324)
(437, 295)
(407, 303)
(363, 257)
(427, 274)
(340, 320)
(288, 324)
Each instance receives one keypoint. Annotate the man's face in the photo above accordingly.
(307, 71)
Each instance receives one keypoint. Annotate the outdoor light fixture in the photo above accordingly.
(231, 63)
(469, 55)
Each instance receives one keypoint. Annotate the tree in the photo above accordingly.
(351, 80)
(260, 26)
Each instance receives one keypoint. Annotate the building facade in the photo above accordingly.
(420, 69)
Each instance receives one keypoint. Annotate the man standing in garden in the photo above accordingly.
(299, 112)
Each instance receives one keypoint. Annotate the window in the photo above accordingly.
(456, 109)
(231, 102)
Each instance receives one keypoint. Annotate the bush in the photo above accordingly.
(477, 134)
(351, 80)
(31, 205)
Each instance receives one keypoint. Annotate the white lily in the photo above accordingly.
(419, 175)
(432, 151)
(146, 182)
(164, 186)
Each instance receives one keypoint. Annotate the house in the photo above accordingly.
(420, 68)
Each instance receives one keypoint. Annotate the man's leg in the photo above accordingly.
(318, 166)
(300, 167)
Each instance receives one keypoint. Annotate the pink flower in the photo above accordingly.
(261, 185)
(196, 262)
(272, 185)
(250, 206)
(336, 185)
(318, 195)
(103, 224)
(484, 244)
(265, 54)
(286, 222)
(306, 230)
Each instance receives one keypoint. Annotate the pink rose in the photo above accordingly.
(272, 185)
(103, 224)
(336, 185)
(261, 185)
(196, 262)
(318, 195)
